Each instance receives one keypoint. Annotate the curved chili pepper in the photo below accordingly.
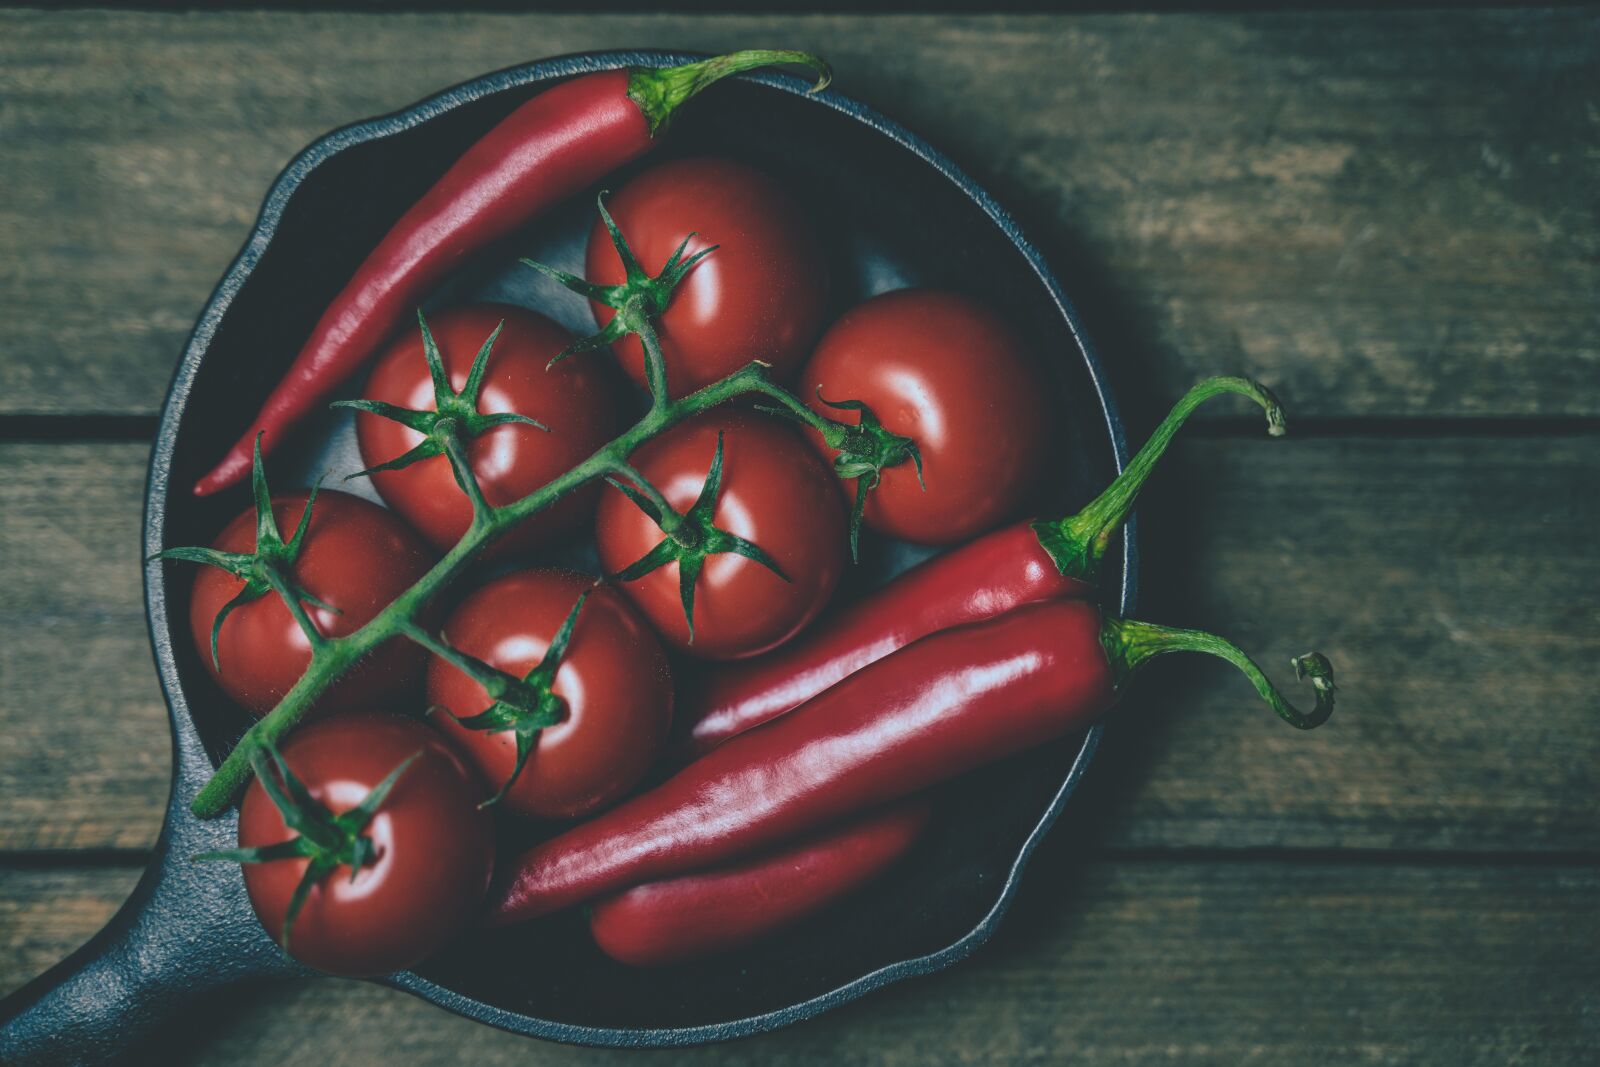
(553, 146)
(1020, 564)
(703, 914)
(939, 707)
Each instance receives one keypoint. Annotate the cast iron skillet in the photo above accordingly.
(894, 212)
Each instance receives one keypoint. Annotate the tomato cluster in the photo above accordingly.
(543, 694)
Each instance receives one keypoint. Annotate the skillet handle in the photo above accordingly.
(186, 931)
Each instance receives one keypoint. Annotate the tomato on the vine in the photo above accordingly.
(354, 559)
(424, 851)
(774, 494)
(760, 295)
(577, 401)
(611, 679)
(950, 374)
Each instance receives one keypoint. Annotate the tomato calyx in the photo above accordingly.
(267, 568)
(637, 300)
(523, 705)
(866, 449)
(690, 537)
(327, 841)
(455, 416)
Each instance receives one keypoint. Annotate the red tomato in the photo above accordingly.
(775, 493)
(614, 679)
(357, 557)
(433, 857)
(760, 295)
(947, 372)
(577, 399)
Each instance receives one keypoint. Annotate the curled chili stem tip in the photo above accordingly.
(1129, 644)
(267, 568)
(325, 840)
(660, 91)
(454, 419)
(1078, 542)
(690, 537)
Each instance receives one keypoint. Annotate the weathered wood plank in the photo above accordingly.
(1105, 963)
(1453, 581)
(1384, 212)
(45, 914)
(84, 756)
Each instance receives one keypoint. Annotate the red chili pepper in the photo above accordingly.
(939, 707)
(1020, 564)
(551, 147)
(697, 915)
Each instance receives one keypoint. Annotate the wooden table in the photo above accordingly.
(1393, 217)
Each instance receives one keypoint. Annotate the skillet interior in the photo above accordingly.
(891, 212)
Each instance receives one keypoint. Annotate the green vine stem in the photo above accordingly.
(336, 655)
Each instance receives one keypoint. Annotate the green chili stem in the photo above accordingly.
(1130, 643)
(660, 91)
(1078, 542)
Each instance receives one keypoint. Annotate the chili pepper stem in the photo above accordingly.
(337, 654)
(1129, 644)
(1078, 542)
(659, 92)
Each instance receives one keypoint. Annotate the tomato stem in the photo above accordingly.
(336, 655)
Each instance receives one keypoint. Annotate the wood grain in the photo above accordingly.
(46, 913)
(84, 755)
(1452, 580)
(1105, 962)
(1385, 213)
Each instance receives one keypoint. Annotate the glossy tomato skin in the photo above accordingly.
(435, 847)
(776, 492)
(357, 557)
(580, 400)
(760, 295)
(948, 372)
(614, 678)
